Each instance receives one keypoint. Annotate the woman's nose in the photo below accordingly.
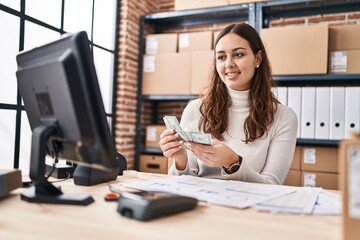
(229, 63)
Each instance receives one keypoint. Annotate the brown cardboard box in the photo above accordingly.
(191, 4)
(195, 41)
(153, 135)
(231, 2)
(215, 35)
(295, 165)
(293, 178)
(201, 66)
(344, 37)
(344, 62)
(319, 179)
(166, 74)
(349, 155)
(297, 50)
(344, 49)
(161, 43)
(320, 159)
(153, 164)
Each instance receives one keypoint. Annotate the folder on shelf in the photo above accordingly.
(281, 94)
(307, 112)
(352, 111)
(322, 113)
(337, 112)
(294, 102)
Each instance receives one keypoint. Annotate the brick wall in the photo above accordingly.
(131, 10)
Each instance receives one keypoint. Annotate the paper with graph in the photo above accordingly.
(215, 191)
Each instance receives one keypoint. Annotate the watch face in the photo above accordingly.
(234, 168)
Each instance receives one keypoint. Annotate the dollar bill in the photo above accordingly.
(171, 122)
(203, 138)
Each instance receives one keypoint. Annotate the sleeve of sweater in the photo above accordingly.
(189, 122)
(280, 151)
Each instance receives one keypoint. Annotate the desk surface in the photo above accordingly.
(100, 220)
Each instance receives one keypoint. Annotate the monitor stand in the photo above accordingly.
(43, 191)
(87, 176)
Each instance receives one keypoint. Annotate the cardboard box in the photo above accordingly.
(161, 43)
(349, 155)
(344, 37)
(201, 69)
(152, 136)
(344, 62)
(195, 41)
(215, 35)
(319, 179)
(295, 165)
(320, 159)
(344, 49)
(297, 50)
(153, 164)
(293, 178)
(191, 4)
(10, 179)
(166, 74)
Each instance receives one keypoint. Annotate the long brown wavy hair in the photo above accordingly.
(216, 100)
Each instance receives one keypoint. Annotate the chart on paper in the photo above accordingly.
(220, 192)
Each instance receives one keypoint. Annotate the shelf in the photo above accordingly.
(199, 16)
(169, 97)
(319, 80)
(318, 142)
(258, 15)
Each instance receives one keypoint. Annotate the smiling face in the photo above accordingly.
(235, 61)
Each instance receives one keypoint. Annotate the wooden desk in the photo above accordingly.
(100, 220)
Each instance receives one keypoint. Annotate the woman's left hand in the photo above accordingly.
(216, 155)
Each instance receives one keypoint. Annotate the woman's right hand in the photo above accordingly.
(172, 148)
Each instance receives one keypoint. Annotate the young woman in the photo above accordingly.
(254, 136)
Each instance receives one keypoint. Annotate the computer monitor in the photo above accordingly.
(62, 99)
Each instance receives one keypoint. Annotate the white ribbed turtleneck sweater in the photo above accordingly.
(266, 160)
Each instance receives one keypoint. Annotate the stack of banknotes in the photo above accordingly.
(171, 122)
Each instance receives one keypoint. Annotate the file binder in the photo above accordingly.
(352, 111)
(294, 102)
(322, 113)
(337, 112)
(281, 94)
(307, 112)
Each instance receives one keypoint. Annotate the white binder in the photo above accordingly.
(337, 112)
(352, 111)
(294, 102)
(322, 113)
(307, 112)
(281, 94)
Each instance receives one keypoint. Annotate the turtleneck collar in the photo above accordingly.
(240, 99)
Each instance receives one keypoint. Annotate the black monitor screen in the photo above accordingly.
(62, 99)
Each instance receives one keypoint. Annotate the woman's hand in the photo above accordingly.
(172, 148)
(216, 155)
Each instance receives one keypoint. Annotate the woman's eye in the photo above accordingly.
(238, 54)
(220, 58)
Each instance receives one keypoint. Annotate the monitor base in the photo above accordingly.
(30, 195)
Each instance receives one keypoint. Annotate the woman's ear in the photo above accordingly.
(258, 58)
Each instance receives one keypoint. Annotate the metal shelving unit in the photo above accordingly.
(160, 21)
(258, 15)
